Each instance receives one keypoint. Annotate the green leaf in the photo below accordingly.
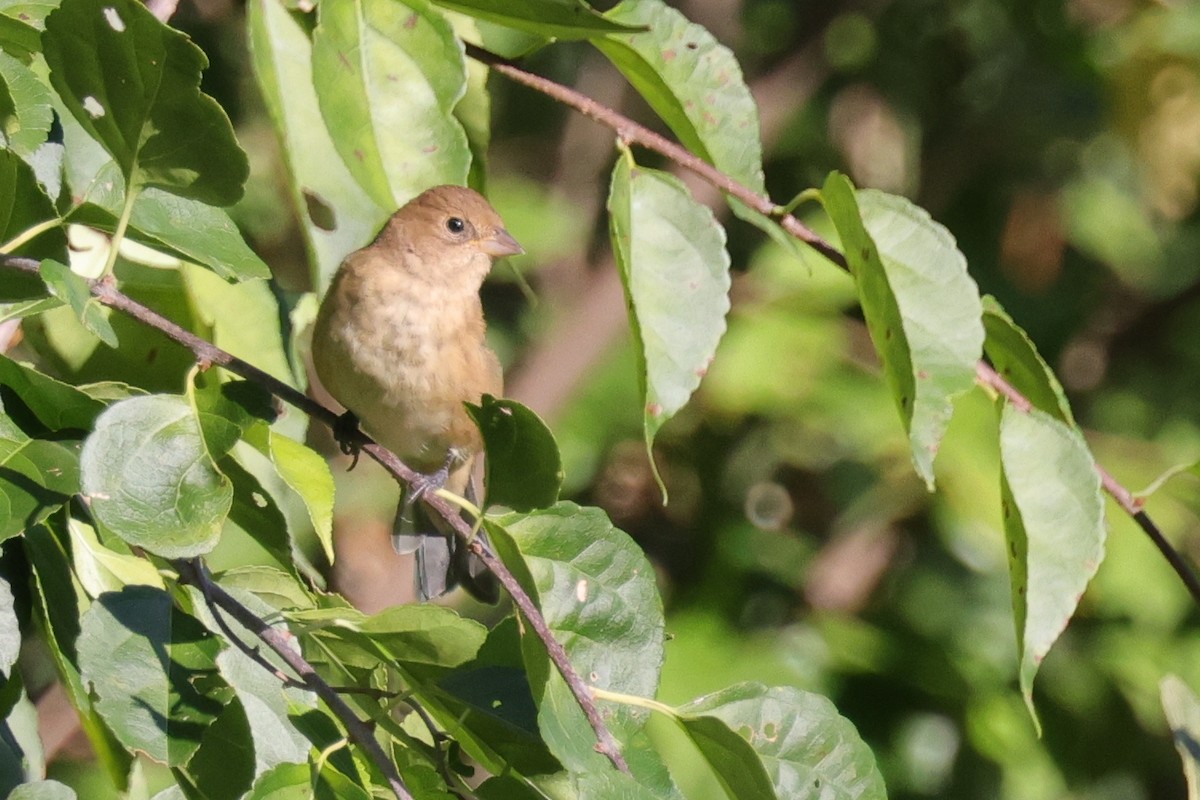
(695, 84)
(922, 308)
(187, 229)
(551, 18)
(150, 477)
(387, 81)
(37, 477)
(75, 292)
(1054, 524)
(1015, 357)
(675, 270)
(1182, 710)
(612, 785)
(337, 215)
(21, 26)
(101, 569)
(307, 474)
(43, 790)
(134, 84)
(57, 405)
(598, 595)
(27, 123)
(10, 630)
(524, 470)
(808, 749)
(23, 204)
(423, 635)
(223, 767)
(300, 782)
(148, 664)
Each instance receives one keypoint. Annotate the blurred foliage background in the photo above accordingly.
(1059, 140)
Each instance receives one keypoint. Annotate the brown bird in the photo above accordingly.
(399, 341)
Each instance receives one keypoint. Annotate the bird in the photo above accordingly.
(399, 340)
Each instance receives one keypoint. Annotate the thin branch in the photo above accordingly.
(194, 572)
(631, 132)
(209, 354)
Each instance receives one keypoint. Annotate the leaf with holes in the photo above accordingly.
(922, 308)
(675, 270)
(134, 84)
(1054, 524)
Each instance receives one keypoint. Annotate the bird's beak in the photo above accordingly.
(500, 243)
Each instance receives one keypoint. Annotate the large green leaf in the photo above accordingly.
(150, 475)
(597, 593)
(922, 308)
(524, 469)
(1182, 710)
(695, 84)
(554, 19)
(57, 405)
(810, 752)
(28, 121)
(337, 214)
(388, 80)
(675, 270)
(149, 665)
(1054, 523)
(36, 478)
(134, 84)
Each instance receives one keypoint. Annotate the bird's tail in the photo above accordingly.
(442, 562)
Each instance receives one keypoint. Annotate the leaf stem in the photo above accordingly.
(29, 234)
(634, 700)
(118, 236)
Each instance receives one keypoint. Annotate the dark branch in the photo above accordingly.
(194, 572)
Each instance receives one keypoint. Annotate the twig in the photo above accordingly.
(194, 572)
(209, 354)
(631, 132)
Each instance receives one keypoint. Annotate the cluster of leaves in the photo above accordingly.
(137, 459)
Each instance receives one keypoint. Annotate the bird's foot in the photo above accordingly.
(348, 436)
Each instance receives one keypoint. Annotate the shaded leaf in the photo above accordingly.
(75, 292)
(307, 474)
(337, 214)
(134, 84)
(387, 83)
(57, 405)
(675, 270)
(37, 477)
(23, 204)
(598, 595)
(1054, 524)
(922, 308)
(524, 469)
(149, 665)
(149, 475)
(1016, 358)
(1182, 710)
(551, 18)
(809, 751)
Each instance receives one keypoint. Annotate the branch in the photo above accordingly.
(194, 572)
(631, 132)
(209, 354)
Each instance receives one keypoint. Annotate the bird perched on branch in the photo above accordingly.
(399, 341)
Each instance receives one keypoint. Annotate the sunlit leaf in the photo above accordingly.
(43, 790)
(597, 593)
(337, 214)
(57, 405)
(1054, 524)
(388, 79)
(1017, 360)
(524, 470)
(150, 476)
(134, 84)
(809, 751)
(10, 630)
(550, 18)
(28, 122)
(922, 308)
(671, 253)
(1182, 710)
(101, 569)
(36, 478)
(75, 292)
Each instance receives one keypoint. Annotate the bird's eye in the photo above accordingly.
(456, 225)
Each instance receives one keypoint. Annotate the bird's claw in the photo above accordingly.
(348, 436)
